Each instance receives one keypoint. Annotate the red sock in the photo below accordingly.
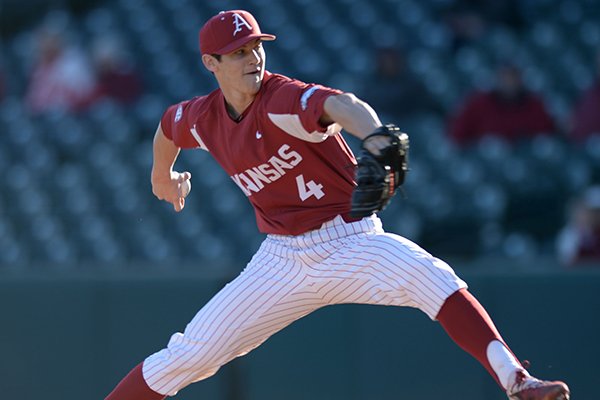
(470, 326)
(134, 387)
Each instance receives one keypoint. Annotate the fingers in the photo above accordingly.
(184, 176)
(183, 189)
(179, 204)
(173, 190)
(376, 143)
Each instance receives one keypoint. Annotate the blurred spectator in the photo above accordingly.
(3, 76)
(62, 78)
(465, 26)
(393, 90)
(118, 78)
(2, 84)
(467, 20)
(578, 243)
(585, 119)
(509, 111)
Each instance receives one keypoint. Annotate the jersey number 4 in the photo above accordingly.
(310, 188)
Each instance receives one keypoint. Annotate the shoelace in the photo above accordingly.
(526, 382)
(520, 377)
(522, 382)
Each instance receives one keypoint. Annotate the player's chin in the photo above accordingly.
(253, 82)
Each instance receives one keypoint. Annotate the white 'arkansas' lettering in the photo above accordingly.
(249, 184)
(269, 172)
(237, 180)
(256, 178)
(279, 165)
(293, 157)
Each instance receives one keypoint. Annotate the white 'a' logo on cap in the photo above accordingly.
(238, 21)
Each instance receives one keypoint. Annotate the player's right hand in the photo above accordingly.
(171, 188)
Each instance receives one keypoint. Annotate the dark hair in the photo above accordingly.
(217, 56)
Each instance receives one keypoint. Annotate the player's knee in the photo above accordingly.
(195, 357)
(167, 375)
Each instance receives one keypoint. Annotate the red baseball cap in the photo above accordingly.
(228, 31)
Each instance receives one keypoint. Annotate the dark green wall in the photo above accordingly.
(74, 338)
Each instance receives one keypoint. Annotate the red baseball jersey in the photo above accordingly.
(296, 173)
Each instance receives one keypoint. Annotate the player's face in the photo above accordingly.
(243, 69)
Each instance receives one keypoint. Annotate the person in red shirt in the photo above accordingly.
(585, 119)
(2, 81)
(118, 77)
(62, 79)
(280, 141)
(509, 111)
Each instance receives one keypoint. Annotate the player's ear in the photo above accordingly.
(210, 62)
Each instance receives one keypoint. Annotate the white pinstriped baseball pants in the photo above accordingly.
(291, 276)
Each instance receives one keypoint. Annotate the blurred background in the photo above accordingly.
(502, 103)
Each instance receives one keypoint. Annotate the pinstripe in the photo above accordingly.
(235, 321)
(353, 293)
(291, 314)
(296, 315)
(194, 327)
(307, 255)
(381, 267)
(214, 305)
(413, 294)
(294, 306)
(376, 292)
(417, 276)
(417, 272)
(265, 331)
(400, 299)
(309, 303)
(290, 277)
(242, 317)
(327, 249)
(367, 270)
(333, 293)
(324, 295)
(421, 294)
(402, 249)
(217, 305)
(237, 347)
(320, 233)
(328, 235)
(309, 295)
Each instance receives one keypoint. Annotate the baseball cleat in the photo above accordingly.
(526, 387)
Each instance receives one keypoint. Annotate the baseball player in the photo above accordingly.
(279, 140)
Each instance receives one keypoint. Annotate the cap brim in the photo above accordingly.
(243, 40)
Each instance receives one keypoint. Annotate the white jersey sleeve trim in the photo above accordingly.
(196, 136)
(290, 123)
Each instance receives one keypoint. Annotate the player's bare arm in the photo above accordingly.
(168, 185)
(356, 117)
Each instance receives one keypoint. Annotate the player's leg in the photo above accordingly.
(396, 271)
(469, 325)
(268, 295)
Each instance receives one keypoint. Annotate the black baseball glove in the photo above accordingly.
(378, 176)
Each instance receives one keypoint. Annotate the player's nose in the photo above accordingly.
(255, 57)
